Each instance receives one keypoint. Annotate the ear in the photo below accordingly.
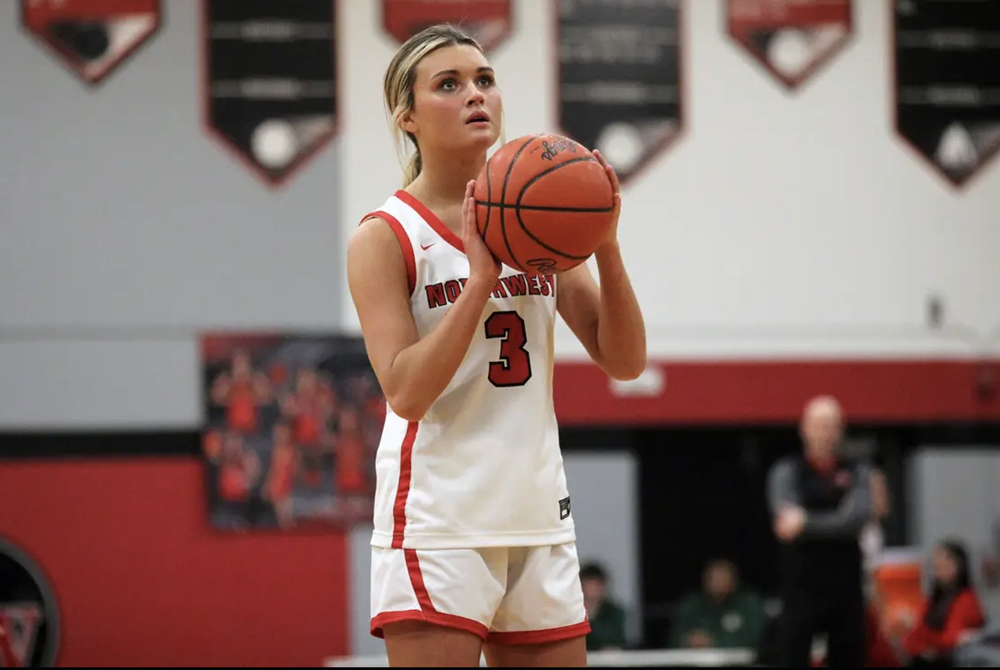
(407, 123)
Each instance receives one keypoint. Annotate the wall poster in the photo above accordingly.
(292, 423)
(947, 83)
(270, 92)
(91, 37)
(489, 21)
(619, 78)
(791, 38)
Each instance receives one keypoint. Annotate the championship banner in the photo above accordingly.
(292, 426)
(947, 83)
(791, 38)
(619, 78)
(271, 80)
(489, 21)
(91, 37)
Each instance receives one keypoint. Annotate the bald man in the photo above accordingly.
(820, 502)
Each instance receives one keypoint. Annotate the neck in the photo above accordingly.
(443, 178)
(820, 458)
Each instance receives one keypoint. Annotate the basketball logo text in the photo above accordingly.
(444, 293)
(553, 149)
(543, 266)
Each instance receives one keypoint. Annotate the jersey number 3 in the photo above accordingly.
(514, 366)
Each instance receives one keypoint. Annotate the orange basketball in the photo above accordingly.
(544, 204)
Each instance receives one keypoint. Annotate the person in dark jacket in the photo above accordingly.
(819, 503)
(950, 613)
(607, 618)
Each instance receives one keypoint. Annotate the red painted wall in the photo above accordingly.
(143, 580)
(762, 391)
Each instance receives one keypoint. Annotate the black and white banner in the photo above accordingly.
(619, 78)
(947, 82)
(271, 80)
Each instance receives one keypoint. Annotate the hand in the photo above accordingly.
(482, 262)
(790, 522)
(616, 190)
(699, 640)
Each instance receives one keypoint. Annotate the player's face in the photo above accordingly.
(457, 104)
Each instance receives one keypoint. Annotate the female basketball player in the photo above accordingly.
(474, 540)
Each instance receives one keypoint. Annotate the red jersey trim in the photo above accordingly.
(403, 487)
(404, 243)
(432, 220)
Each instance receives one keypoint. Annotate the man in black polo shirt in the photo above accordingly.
(820, 502)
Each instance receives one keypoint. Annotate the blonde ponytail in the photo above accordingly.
(416, 164)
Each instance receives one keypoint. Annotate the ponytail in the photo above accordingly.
(414, 167)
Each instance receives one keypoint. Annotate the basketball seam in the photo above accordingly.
(520, 196)
(489, 196)
(503, 196)
(543, 208)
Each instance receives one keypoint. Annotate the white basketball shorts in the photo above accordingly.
(521, 595)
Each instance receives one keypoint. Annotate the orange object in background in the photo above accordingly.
(898, 578)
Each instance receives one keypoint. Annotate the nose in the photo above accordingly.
(475, 97)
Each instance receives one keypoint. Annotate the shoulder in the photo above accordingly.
(784, 466)
(378, 244)
(968, 602)
(374, 233)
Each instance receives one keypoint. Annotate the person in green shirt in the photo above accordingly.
(607, 617)
(722, 615)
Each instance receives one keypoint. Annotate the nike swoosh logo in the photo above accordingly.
(428, 246)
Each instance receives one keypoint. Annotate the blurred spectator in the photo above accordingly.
(951, 613)
(722, 615)
(820, 502)
(607, 617)
(242, 390)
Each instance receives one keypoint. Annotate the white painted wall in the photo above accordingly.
(783, 225)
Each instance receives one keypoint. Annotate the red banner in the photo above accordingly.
(91, 37)
(791, 38)
(489, 21)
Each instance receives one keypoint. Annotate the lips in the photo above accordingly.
(478, 117)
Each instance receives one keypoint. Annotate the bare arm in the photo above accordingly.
(413, 372)
(606, 318)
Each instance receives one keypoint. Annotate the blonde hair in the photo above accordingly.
(401, 77)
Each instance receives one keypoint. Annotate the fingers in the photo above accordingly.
(612, 175)
(466, 207)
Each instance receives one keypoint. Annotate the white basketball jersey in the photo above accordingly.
(483, 468)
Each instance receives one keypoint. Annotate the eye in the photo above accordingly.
(486, 80)
(447, 85)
